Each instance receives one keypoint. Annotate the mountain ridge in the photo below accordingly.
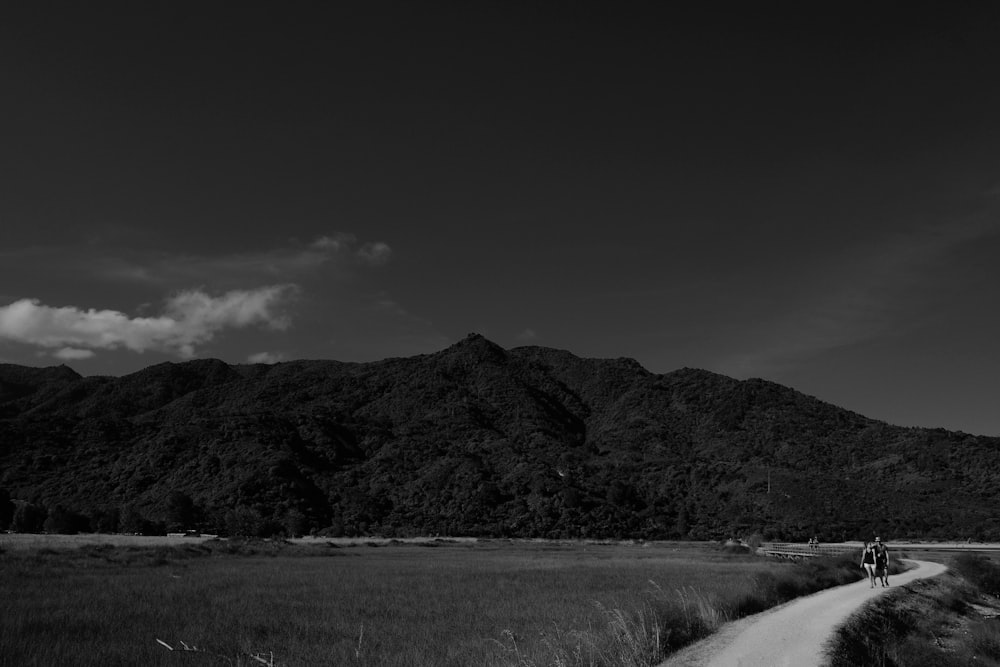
(477, 439)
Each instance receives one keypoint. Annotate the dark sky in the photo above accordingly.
(808, 196)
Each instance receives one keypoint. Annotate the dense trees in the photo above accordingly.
(475, 440)
(180, 513)
(28, 518)
(6, 509)
(65, 521)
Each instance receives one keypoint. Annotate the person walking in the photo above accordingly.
(881, 562)
(868, 563)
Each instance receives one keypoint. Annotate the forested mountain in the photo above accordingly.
(478, 440)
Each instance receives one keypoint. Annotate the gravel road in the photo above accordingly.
(793, 634)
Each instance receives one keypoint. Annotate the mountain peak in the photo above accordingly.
(477, 344)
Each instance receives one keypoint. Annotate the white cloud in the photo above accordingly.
(384, 304)
(337, 241)
(190, 318)
(265, 358)
(72, 353)
(527, 334)
(377, 253)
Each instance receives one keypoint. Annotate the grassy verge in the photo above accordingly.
(666, 620)
(948, 621)
(438, 603)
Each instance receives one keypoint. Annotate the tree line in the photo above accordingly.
(181, 514)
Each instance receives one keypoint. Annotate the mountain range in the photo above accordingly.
(479, 440)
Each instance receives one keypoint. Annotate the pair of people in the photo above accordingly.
(875, 561)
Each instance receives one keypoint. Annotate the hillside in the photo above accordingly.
(480, 440)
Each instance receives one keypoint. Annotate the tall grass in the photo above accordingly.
(648, 630)
(947, 621)
(485, 603)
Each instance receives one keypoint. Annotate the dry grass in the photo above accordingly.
(946, 621)
(33, 542)
(435, 603)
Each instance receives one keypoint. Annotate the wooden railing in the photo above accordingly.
(803, 550)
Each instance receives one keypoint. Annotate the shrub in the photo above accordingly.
(926, 623)
(28, 518)
(65, 522)
(981, 572)
(984, 638)
(6, 509)
(243, 521)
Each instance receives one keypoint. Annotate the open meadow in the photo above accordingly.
(488, 602)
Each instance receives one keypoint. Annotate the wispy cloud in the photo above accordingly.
(266, 358)
(375, 254)
(527, 335)
(858, 296)
(336, 242)
(289, 262)
(340, 250)
(73, 354)
(189, 319)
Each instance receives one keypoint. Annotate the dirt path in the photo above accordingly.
(793, 634)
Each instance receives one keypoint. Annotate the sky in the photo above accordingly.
(809, 196)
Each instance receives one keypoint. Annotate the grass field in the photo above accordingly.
(949, 621)
(430, 603)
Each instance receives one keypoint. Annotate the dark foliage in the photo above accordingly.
(181, 512)
(982, 572)
(28, 518)
(65, 521)
(936, 622)
(6, 509)
(479, 440)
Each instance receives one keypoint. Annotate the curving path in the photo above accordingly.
(793, 634)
